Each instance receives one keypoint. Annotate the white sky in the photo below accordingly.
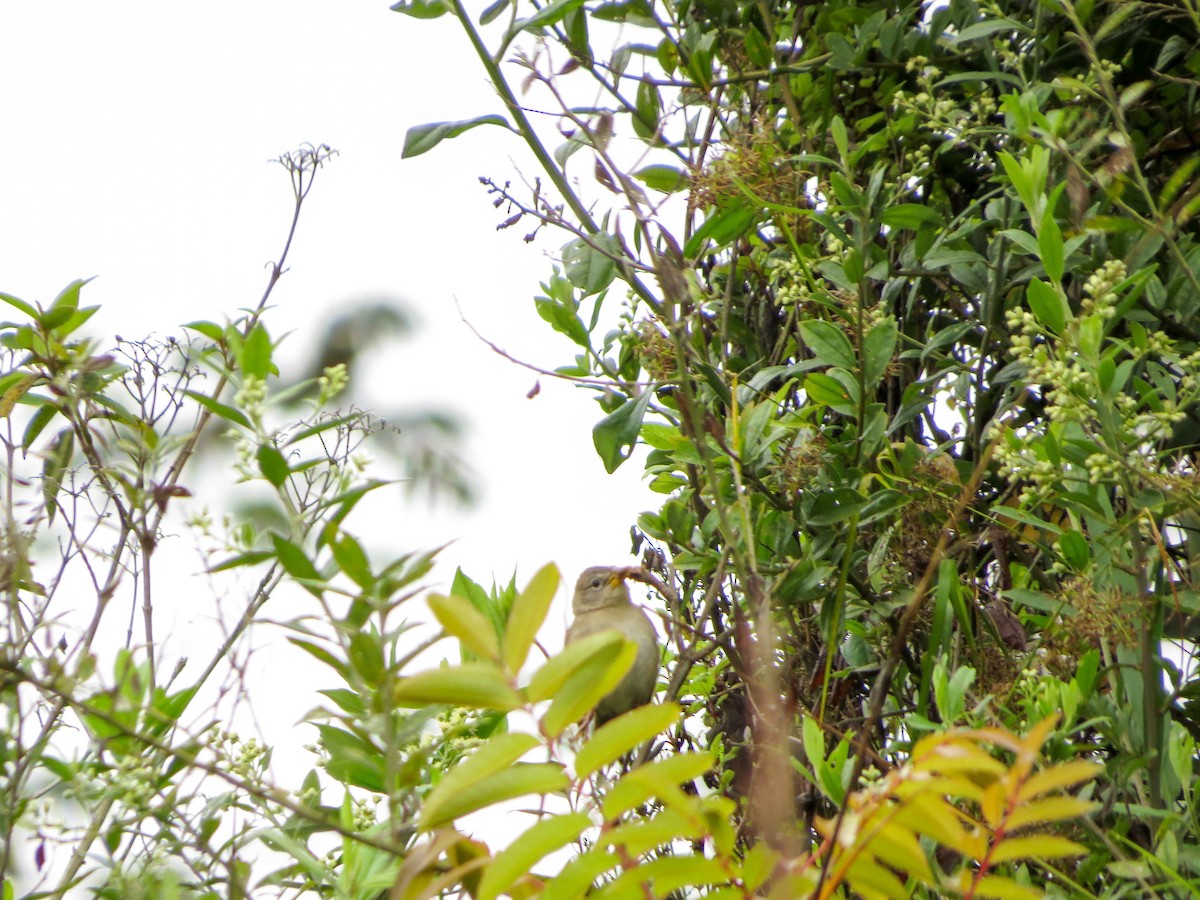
(136, 136)
(135, 144)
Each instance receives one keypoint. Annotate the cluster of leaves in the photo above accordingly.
(901, 299)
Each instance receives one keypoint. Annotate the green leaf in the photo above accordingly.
(647, 111)
(210, 330)
(829, 344)
(366, 657)
(37, 423)
(618, 430)
(254, 354)
(68, 297)
(987, 27)
(28, 308)
(757, 48)
(547, 15)
(478, 685)
(563, 319)
(1075, 550)
(527, 615)
(421, 138)
(421, 9)
(54, 465)
(1047, 306)
(465, 622)
(879, 347)
(591, 262)
(616, 738)
(493, 11)
(297, 564)
(272, 464)
(529, 847)
(352, 760)
(228, 413)
(911, 216)
(352, 560)
(826, 391)
(836, 505)
(1050, 245)
(667, 179)
(722, 227)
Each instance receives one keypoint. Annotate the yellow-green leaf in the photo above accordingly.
(1060, 776)
(1052, 809)
(660, 778)
(477, 685)
(640, 835)
(465, 622)
(578, 875)
(529, 847)
(866, 875)
(622, 734)
(555, 671)
(489, 775)
(527, 615)
(666, 874)
(994, 802)
(897, 846)
(1036, 846)
(1004, 889)
(14, 392)
(589, 684)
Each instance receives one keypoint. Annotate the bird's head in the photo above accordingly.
(599, 587)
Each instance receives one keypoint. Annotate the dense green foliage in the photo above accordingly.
(901, 303)
(907, 318)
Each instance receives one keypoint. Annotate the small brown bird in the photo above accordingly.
(602, 603)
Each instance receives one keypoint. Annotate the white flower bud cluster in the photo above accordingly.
(1059, 367)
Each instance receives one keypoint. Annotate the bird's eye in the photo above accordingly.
(596, 582)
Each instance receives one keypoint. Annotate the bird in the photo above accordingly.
(602, 603)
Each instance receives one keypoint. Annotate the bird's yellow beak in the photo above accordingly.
(615, 578)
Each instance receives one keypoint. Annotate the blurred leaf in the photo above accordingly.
(228, 413)
(272, 464)
(297, 564)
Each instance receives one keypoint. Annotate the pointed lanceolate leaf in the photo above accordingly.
(528, 848)
(588, 685)
(554, 673)
(527, 615)
(449, 799)
(1047, 305)
(469, 625)
(829, 344)
(474, 685)
(296, 563)
(616, 738)
(421, 138)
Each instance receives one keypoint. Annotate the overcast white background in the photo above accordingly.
(135, 144)
(136, 140)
